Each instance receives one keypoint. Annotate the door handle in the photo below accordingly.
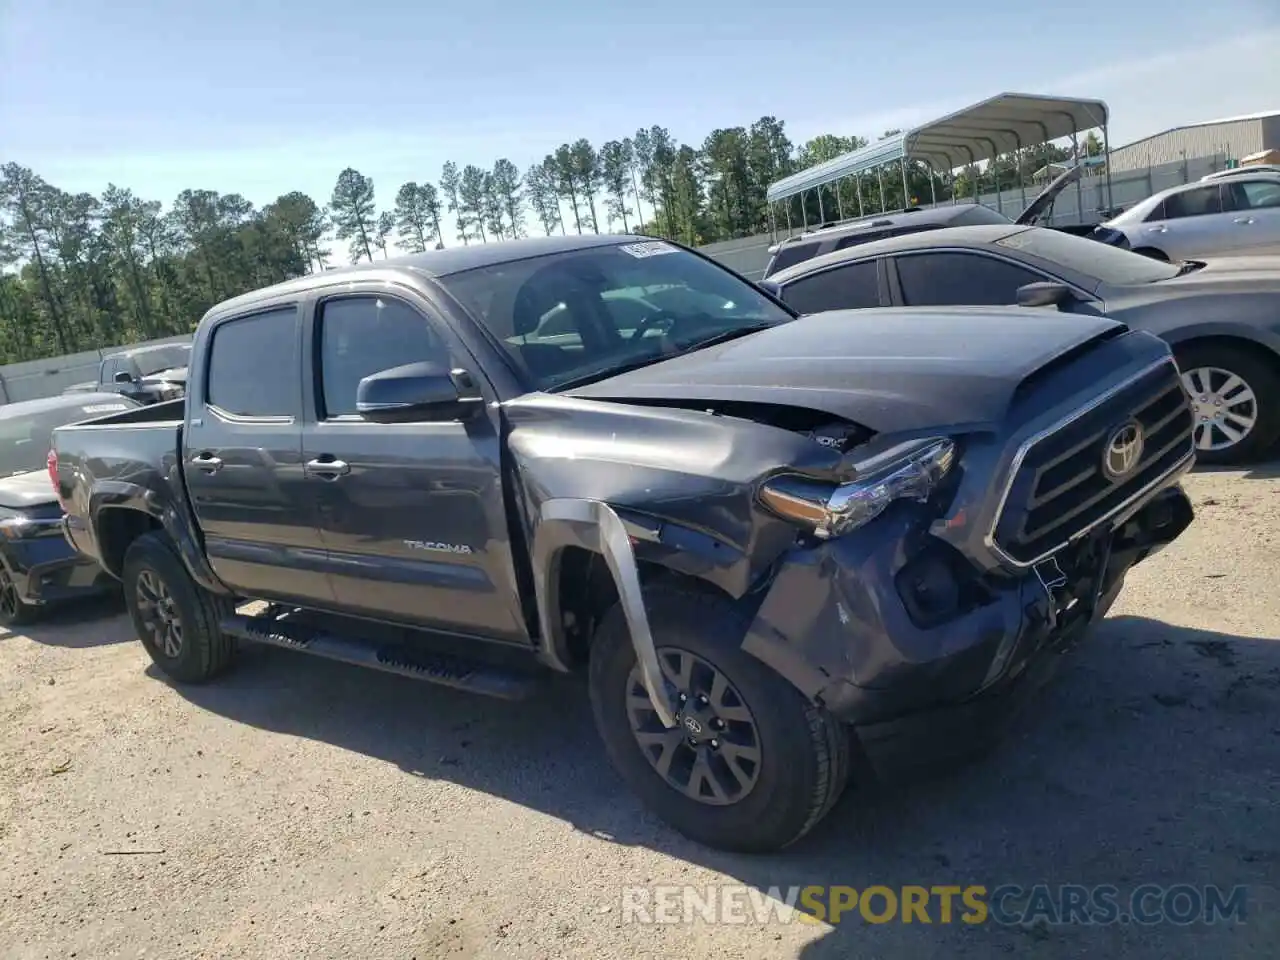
(1157, 229)
(1245, 220)
(206, 462)
(327, 469)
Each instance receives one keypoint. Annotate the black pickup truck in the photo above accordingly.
(781, 547)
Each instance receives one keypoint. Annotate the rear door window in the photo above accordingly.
(849, 286)
(253, 365)
(1199, 202)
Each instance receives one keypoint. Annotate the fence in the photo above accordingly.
(748, 256)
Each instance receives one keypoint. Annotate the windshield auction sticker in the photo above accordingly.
(651, 248)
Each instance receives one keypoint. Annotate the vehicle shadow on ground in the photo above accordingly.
(1267, 470)
(79, 625)
(1155, 744)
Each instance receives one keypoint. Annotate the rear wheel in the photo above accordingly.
(751, 765)
(176, 620)
(1236, 397)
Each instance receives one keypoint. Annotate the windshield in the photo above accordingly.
(162, 358)
(1104, 263)
(25, 438)
(570, 317)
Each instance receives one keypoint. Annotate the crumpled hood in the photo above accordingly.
(24, 490)
(889, 370)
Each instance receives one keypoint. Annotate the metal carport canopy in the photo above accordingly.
(1002, 124)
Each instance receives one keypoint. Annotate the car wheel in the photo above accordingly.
(14, 612)
(1153, 253)
(1236, 398)
(176, 620)
(751, 765)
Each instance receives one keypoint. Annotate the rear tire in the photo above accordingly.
(176, 619)
(1208, 366)
(802, 751)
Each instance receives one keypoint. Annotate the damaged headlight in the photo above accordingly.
(909, 471)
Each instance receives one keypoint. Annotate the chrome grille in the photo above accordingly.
(1060, 489)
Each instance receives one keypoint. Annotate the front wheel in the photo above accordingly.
(176, 620)
(751, 765)
(1236, 399)
(14, 611)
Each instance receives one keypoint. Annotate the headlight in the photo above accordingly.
(909, 471)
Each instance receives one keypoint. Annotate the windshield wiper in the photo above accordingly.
(1189, 266)
(649, 359)
(725, 336)
(613, 370)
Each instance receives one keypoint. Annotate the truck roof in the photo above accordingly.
(439, 263)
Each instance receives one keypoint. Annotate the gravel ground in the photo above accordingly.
(300, 809)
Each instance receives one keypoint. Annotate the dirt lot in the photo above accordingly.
(301, 809)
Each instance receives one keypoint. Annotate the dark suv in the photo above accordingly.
(806, 246)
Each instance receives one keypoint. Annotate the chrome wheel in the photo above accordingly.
(712, 755)
(1226, 409)
(159, 614)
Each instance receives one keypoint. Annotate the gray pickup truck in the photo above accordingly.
(780, 547)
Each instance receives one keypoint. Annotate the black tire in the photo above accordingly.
(203, 651)
(1153, 253)
(1261, 377)
(804, 752)
(14, 612)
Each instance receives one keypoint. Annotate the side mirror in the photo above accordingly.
(417, 393)
(1044, 294)
(124, 377)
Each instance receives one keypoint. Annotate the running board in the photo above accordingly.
(402, 659)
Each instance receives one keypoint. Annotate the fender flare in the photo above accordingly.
(125, 495)
(596, 526)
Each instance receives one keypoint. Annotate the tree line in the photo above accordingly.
(80, 272)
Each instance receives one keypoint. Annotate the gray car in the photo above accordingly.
(1222, 317)
(1226, 216)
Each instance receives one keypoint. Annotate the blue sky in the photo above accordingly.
(260, 99)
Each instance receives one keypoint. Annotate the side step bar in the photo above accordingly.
(402, 659)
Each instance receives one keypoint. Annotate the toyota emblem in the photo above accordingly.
(1123, 450)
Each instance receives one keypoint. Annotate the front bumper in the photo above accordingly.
(836, 623)
(46, 570)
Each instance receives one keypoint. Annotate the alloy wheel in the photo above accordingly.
(713, 753)
(1226, 408)
(159, 614)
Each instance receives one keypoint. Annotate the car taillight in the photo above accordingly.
(52, 463)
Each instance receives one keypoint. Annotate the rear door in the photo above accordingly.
(242, 454)
(412, 514)
(1189, 224)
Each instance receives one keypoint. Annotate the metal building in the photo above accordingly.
(1230, 137)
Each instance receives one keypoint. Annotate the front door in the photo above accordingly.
(412, 515)
(243, 462)
(1254, 207)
